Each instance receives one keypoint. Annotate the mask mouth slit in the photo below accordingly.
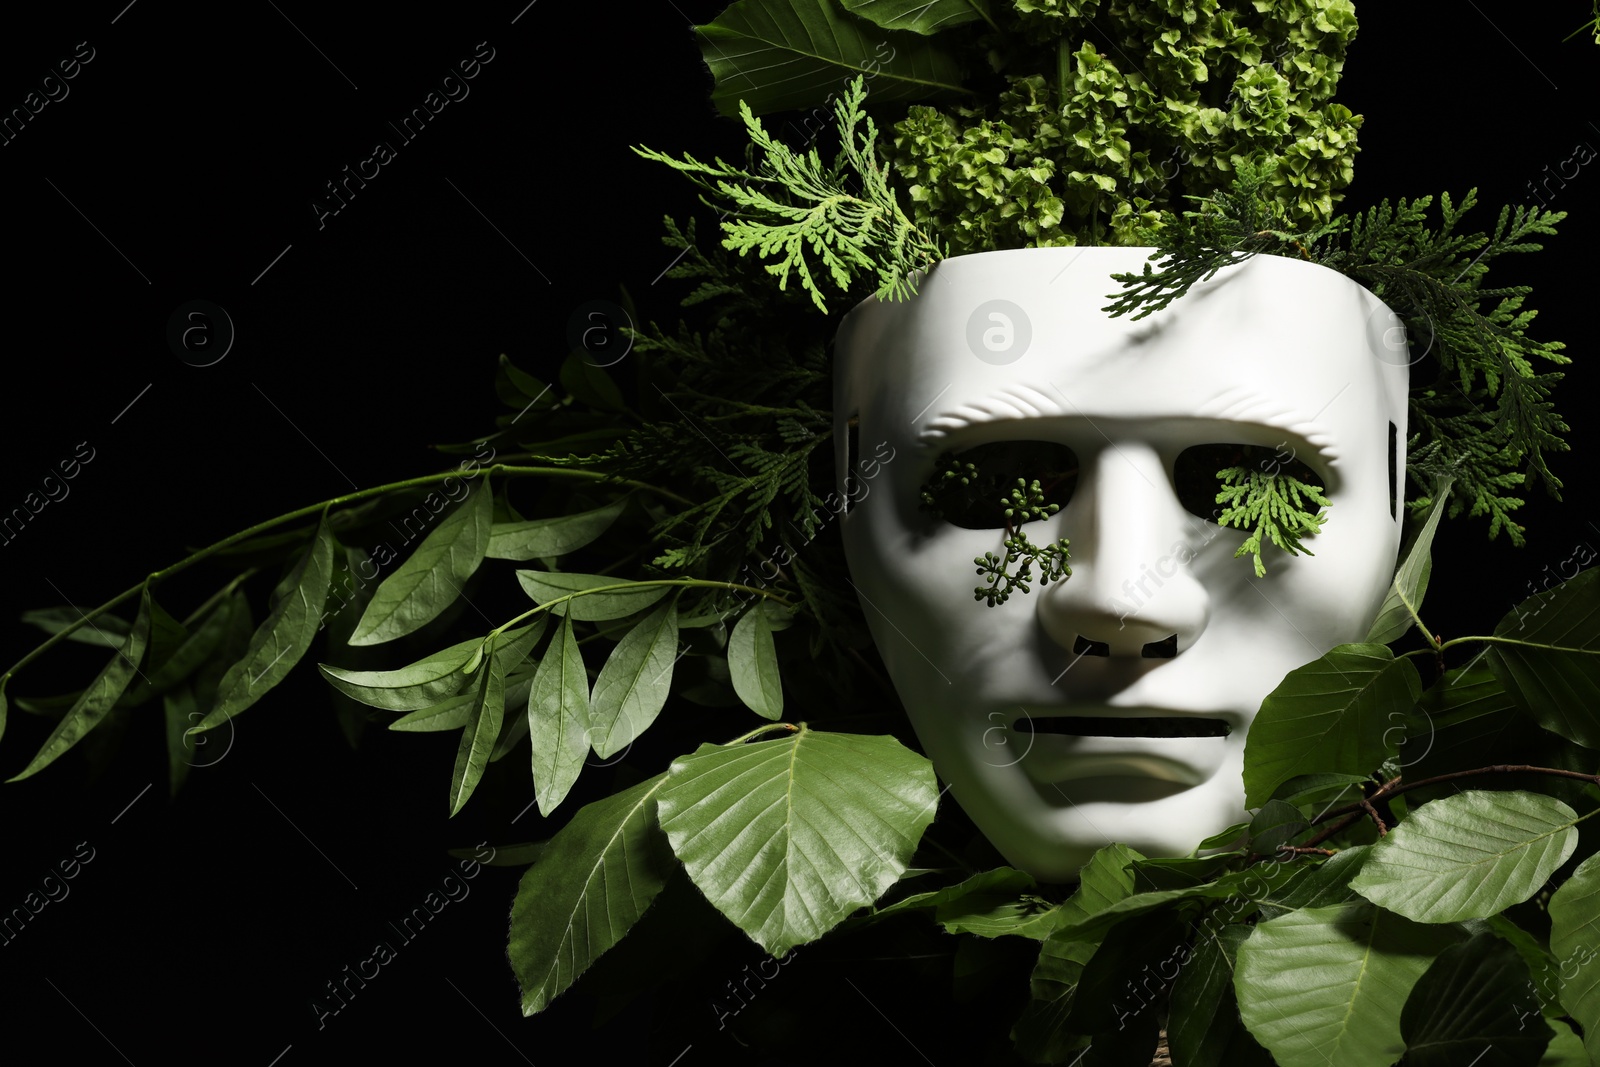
(1124, 726)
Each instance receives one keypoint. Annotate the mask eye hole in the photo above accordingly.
(1194, 474)
(971, 488)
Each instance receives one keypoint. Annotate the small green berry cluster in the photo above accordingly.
(1025, 503)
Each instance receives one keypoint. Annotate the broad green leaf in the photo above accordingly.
(1575, 942)
(1230, 838)
(1463, 1010)
(1553, 668)
(989, 904)
(1566, 1048)
(1204, 1028)
(107, 631)
(1303, 787)
(100, 695)
(451, 713)
(195, 649)
(413, 687)
(431, 578)
(1410, 581)
(1042, 1033)
(622, 599)
(518, 855)
(283, 636)
(778, 55)
(919, 16)
(558, 719)
(1333, 714)
(787, 837)
(753, 664)
(632, 687)
(487, 711)
(547, 538)
(1109, 999)
(1314, 886)
(4, 678)
(1544, 978)
(1325, 986)
(1277, 823)
(593, 881)
(1468, 856)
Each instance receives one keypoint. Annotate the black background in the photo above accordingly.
(194, 143)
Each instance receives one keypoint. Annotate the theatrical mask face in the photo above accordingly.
(1114, 705)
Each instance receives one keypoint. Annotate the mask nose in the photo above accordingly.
(1131, 593)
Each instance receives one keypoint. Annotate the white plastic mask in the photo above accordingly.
(1014, 345)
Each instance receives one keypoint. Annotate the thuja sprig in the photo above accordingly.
(1272, 506)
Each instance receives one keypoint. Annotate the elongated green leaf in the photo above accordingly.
(1464, 1010)
(283, 636)
(991, 903)
(1333, 714)
(590, 382)
(100, 695)
(1553, 671)
(787, 837)
(632, 686)
(431, 577)
(107, 631)
(592, 882)
(1575, 942)
(451, 713)
(1468, 856)
(1410, 582)
(518, 688)
(518, 388)
(1277, 823)
(1327, 985)
(198, 692)
(1204, 1028)
(558, 719)
(778, 55)
(184, 660)
(545, 538)
(1319, 886)
(179, 710)
(753, 664)
(4, 678)
(487, 711)
(919, 16)
(625, 599)
(413, 687)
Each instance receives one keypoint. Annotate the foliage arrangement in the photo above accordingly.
(1415, 834)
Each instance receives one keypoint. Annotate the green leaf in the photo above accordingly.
(590, 383)
(558, 719)
(1303, 787)
(1277, 823)
(283, 636)
(778, 55)
(623, 600)
(107, 631)
(1042, 1033)
(548, 538)
(1463, 1010)
(179, 708)
(1332, 714)
(1327, 985)
(989, 904)
(1468, 856)
(1566, 1048)
(1544, 978)
(1553, 669)
(1410, 581)
(414, 687)
(516, 387)
(1575, 941)
(451, 713)
(753, 664)
(633, 685)
(787, 837)
(919, 16)
(431, 577)
(4, 678)
(195, 649)
(1203, 1029)
(100, 695)
(593, 881)
(1315, 886)
(488, 710)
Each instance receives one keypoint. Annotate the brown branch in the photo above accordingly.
(1393, 787)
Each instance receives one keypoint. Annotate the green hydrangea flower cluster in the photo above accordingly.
(1093, 150)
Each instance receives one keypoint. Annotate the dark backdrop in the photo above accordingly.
(183, 165)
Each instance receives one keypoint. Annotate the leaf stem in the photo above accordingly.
(1393, 787)
(699, 583)
(764, 728)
